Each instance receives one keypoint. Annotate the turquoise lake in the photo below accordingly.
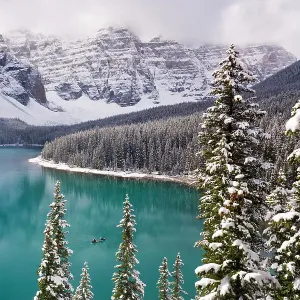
(165, 215)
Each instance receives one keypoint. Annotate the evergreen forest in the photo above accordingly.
(244, 153)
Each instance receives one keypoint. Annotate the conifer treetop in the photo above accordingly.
(177, 280)
(128, 285)
(83, 291)
(56, 247)
(163, 283)
(232, 199)
(231, 76)
(60, 225)
(51, 276)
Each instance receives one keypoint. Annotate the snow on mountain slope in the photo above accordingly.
(115, 72)
(116, 66)
(11, 108)
(68, 112)
(19, 80)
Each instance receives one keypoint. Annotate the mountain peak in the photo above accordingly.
(3, 45)
(116, 68)
(117, 34)
(161, 39)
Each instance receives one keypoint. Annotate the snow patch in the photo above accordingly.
(286, 216)
(207, 268)
(293, 124)
(61, 112)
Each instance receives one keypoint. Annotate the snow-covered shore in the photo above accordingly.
(21, 145)
(187, 180)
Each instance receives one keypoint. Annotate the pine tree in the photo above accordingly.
(83, 291)
(54, 274)
(284, 239)
(51, 280)
(233, 191)
(163, 283)
(284, 230)
(278, 198)
(59, 224)
(177, 280)
(128, 285)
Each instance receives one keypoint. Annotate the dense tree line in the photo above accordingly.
(15, 131)
(286, 80)
(157, 147)
(160, 146)
(143, 146)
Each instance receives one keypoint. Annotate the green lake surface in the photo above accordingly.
(165, 215)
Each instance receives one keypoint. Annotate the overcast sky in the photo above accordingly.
(190, 21)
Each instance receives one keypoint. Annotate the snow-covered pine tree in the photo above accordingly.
(59, 225)
(278, 198)
(83, 291)
(163, 284)
(232, 204)
(128, 285)
(177, 290)
(51, 277)
(284, 230)
(284, 239)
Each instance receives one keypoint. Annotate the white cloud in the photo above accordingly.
(263, 21)
(191, 21)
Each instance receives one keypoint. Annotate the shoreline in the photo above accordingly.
(22, 145)
(185, 180)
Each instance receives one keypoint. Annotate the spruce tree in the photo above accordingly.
(60, 225)
(51, 281)
(278, 198)
(163, 283)
(284, 240)
(232, 203)
(83, 291)
(284, 227)
(54, 269)
(128, 285)
(177, 290)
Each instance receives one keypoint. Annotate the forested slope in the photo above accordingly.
(167, 145)
(16, 131)
(285, 81)
(276, 94)
(148, 147)
(147, 140)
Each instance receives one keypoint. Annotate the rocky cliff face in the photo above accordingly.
(116, 66)
(19, 80)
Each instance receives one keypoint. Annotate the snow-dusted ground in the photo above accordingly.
(74, 111)
(21, 145)
(188, 180)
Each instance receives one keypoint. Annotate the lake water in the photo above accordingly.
(165, 214)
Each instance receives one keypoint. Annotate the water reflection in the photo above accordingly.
(165, 214)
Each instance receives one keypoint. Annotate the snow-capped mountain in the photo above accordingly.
(19, 80)
(115, 72)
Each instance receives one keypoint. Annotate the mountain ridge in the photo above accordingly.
(286, 80)
(116, 66)
(115, 71)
